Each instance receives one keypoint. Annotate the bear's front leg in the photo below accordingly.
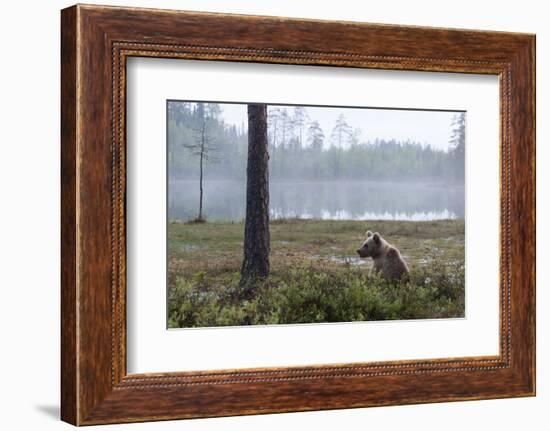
(375, 269)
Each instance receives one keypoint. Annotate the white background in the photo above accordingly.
(151, 348)
(29, 224)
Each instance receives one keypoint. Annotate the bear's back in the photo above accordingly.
(394, 267)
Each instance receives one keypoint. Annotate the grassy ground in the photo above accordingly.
(316, 275)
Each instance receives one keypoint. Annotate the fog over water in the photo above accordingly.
(224, 200)
(329, 163)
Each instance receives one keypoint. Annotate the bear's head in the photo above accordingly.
(372, 245)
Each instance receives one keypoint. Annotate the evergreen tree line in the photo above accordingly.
(199, 139)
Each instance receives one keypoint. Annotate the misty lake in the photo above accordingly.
(327, 200)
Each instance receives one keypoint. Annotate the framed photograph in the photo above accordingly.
(264, 214)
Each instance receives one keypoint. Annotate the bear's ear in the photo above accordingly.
(376, 237)
(369, 233)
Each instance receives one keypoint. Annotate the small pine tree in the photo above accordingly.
(458, 145)
(315, 135)
(202, 146)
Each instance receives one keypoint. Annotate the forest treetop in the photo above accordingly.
(299, 148)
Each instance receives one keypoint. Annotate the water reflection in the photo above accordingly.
(328, 200)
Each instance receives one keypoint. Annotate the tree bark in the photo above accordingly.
(200, 188)
(256, 234)
(201, 167)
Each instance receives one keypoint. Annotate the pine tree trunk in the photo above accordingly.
(256, 234)
(200, 187)
(203, 142)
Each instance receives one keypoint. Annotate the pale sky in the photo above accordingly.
(425, 127)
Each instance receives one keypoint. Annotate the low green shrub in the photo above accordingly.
(307, 295)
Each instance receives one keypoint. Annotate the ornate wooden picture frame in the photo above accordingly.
(96, 41)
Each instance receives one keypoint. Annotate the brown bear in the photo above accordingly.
(387, 260)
